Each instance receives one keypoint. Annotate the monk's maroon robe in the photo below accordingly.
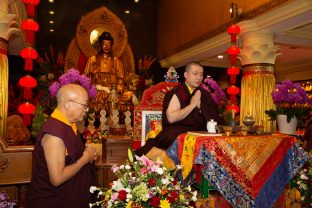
(73, 193)
(195, 121)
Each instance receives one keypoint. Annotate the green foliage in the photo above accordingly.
(290, 112)
(38, 120)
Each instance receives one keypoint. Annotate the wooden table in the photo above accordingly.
(249, 171)
(15, 170)
(114, 151)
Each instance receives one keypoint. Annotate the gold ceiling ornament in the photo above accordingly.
(93, 24)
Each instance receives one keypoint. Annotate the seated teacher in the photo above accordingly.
(186, 107)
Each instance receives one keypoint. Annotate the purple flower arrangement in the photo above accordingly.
(5, 201)
(290, 93)
(290, 100)
(72, 76)
(214, 89)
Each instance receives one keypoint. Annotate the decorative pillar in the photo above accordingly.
(257, 57)
(6, 29)
(4, 79)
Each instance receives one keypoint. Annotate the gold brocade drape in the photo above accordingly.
(4, 73)
(258, 82)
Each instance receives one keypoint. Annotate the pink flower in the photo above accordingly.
(144, 170)
(115, 196)
(147, 162)
(115, 168)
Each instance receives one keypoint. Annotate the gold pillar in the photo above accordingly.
(257, 84)
(4, 79)
(258, 54)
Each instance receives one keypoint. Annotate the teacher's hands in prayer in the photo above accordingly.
(195, 100)
(89, 153)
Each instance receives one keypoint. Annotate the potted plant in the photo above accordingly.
(291, 103)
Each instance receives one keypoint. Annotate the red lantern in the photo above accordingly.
(233, 30)
(232, 107)
(232, 91)
(233, 72)
(30, 6)
(27, 82)
(30, 26)
(29, 54)
(27, 109)
(233, 51)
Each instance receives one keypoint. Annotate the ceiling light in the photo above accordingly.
(127, 11)
(220, 57)
(51, 22)
(51, 30)
(51, 12)
(51, 1)
(136, 1)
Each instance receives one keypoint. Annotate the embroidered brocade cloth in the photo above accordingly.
(249, 171)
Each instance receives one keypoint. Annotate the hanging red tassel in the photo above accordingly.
(232, 79)
(27, 93)
(233, 98)
(30, 9)
(29, 36)
(28, 64)
(30, 6)
(27, 119)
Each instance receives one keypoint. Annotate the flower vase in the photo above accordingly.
(285, 127)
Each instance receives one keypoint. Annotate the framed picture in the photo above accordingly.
(147, 118)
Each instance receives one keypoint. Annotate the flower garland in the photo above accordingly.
(144, 183)
(72, 76)
(214, 89)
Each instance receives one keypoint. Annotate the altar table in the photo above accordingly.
(249, 171)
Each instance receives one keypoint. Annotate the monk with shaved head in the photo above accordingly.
(63, 171)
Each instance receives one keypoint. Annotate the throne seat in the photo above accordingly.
(147, 115)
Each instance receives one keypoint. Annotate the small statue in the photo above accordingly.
(128, 122)
(171, 75)
(103, 121)
(113, 103)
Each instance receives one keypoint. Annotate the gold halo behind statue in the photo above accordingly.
(73, 54)
(89, 28)
(101, 20)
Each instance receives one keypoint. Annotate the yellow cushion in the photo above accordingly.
(159, 154)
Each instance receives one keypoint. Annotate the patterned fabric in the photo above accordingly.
(249, 171)
(187, 155)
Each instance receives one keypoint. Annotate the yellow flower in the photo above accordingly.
(129, 204)
(182, 198)
(164, 204)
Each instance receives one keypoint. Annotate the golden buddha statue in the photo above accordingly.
(106, 72)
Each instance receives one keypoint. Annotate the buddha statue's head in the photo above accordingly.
(105, 42)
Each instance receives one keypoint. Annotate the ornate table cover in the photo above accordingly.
(249, 171)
